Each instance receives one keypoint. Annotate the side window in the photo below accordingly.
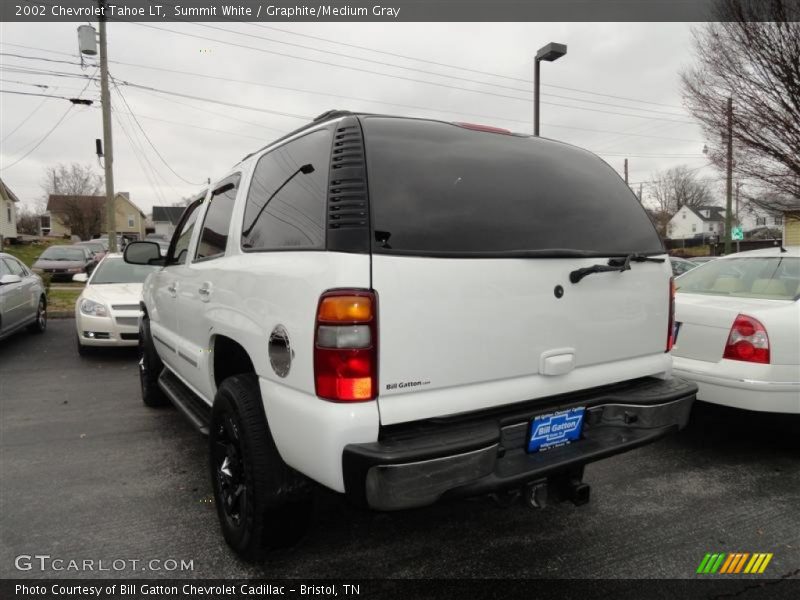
(287, 199)
(15, 267)
(214, 235)
(183, 236)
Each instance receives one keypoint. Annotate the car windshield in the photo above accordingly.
(771, 277)
(63, 253)
(116, 270)
(93, 246)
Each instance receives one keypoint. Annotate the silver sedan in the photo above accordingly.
(23, 301)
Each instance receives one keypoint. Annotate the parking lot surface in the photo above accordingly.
(88, 472)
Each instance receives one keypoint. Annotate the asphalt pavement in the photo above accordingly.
(87, 472)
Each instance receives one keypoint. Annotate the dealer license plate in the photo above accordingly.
(555, 429)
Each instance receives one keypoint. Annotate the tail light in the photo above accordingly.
(747, 341)
(671, 321)
(346, 346)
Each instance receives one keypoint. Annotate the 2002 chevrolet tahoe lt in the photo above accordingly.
(404, 310)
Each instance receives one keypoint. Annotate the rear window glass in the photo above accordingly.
(772, 277)
(441, 189)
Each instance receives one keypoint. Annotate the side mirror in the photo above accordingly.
(9, 279)
(143, 253)
(80, 277)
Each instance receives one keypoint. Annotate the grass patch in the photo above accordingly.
(28, 253)
(62, 300)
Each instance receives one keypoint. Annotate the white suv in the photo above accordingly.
(404, 310)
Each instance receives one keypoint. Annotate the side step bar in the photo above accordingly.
(197, 411)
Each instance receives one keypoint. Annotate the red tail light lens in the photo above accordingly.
(747, 341)
(671, 321)
(346, 346)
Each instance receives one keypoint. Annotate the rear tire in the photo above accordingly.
(262, 503)
(40, 324)
(150, 367)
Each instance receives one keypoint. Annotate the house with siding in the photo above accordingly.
(8, 212)
(129, 218)
(165, 219)
(700, 221)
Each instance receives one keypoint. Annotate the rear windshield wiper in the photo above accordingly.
(617, 264)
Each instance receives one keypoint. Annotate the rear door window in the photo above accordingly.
(441, 189)
(286, 203)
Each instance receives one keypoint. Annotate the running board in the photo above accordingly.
(197, 411)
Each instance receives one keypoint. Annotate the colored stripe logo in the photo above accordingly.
(734, 563)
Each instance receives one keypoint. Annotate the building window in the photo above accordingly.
(683, 216)
(778, 220)
(131, 221)
(694, 228)
(761, 220)
(711, 227)
(10, 219)
(44, 222)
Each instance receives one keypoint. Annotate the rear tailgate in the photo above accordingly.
(464, 334)
(475, 235)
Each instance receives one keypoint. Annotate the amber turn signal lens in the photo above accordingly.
(345, 309)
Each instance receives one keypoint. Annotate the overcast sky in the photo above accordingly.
(198, 139)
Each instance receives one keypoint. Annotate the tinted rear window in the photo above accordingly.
(437, 188)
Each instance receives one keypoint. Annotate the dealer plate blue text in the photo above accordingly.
(555, 429)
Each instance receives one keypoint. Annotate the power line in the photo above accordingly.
(367, 100)
(400, 77)
(466, 69)
(26, 119)
(149, 141)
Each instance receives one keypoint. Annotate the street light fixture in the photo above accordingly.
(550, 52)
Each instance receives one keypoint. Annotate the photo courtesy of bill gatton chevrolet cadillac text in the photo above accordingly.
(405, 311)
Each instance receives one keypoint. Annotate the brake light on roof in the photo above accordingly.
(486, 128)
(747, 341)
(346, 346)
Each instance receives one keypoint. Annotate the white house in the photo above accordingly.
(165, 218)
(8, 212)
(702, 221)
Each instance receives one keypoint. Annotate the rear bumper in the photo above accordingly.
(417, 464)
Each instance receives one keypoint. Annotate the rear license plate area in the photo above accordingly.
(555, 429)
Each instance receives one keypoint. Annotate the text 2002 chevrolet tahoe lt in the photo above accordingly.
(404, 310)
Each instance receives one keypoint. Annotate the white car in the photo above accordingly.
(107, 311)
(737, 328)
(404, 310)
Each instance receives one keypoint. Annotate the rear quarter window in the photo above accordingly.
(440, 189)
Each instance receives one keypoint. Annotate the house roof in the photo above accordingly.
(715, 213)
(170, 214)
(7, 193)
(59, 202)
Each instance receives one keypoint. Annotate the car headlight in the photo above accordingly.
(92, 308)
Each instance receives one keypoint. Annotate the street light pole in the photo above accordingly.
(105, 98)
(550, 52)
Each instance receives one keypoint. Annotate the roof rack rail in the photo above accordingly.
(330, 114)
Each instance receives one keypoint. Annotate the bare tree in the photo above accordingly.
(78, 183)
(83, 216)
(27, 221)
(753, 56)
(72, 180)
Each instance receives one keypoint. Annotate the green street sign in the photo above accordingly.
(737, 234)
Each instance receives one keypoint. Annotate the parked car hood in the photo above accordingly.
(114, 293)
(58, 264)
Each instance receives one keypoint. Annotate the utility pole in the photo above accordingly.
(105, 98)
(640, 193)
(626, 171)
(738, 223)
(729, 179)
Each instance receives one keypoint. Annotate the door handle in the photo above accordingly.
(205, 292)
(173, 289)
